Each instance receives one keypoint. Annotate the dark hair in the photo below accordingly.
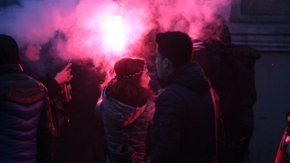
(9, 53)
(176, 46)
(125, 86)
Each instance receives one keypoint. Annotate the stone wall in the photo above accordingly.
(265, 25)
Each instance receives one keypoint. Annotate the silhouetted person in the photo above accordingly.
(26, 129)
(32, 66)
(30, 59)
(230, 69)
(79, 141)
(187, 122)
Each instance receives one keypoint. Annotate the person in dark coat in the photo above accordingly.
(230, 69)
(26, 129)
(126, 109)
(79, 142)
(187, 123)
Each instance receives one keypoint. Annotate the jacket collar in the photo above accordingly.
(191, 76)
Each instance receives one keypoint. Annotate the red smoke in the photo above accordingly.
(105, 30)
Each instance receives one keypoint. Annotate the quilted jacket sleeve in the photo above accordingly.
(45, 135)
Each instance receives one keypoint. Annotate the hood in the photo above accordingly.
(246, 51)
(9, 53)
(121, 114)
(191, 76)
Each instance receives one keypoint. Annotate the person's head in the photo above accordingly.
(151, 63)
(174, 49)
(132, 69)
(32, 51)
(9, 53)
(131, 80)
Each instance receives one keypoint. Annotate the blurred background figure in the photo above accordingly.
(57, 84)
(78, 140)
(30, 56)
(230, 69)
(26, 129)
(30, 59)
(126, 109)
(74, 118)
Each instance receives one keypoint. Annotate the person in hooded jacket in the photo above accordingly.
(126, 109)
(187, 122)
(231, 71)
(27, 132)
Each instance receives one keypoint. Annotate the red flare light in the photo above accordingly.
(114, 34)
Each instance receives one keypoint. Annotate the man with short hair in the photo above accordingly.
(187, 122)
(26, 128)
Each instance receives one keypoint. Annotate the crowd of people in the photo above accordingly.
(189, 106)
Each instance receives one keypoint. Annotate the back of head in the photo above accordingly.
(9, 53)
(125, 87)
(176, 46)
(129, 66)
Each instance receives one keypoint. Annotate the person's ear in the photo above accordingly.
(167, 63)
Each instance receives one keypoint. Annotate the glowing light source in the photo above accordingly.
(114, 33)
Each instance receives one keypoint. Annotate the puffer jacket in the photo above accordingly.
(26, 129)
(187, 122)
(126, 124)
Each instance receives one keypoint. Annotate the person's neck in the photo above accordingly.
(170, 71)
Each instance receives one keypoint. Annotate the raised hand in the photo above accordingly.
(64, 75)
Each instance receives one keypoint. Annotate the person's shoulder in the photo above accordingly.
(246, 51)
(174, 89)
(30, 82)
(170, 94)
(150, 104)
(22, 89)
(16, 79)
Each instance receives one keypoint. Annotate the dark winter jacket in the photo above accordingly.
(246, 57)
(79, 141)
(26, 129)
(126, 124)
(187, 122)
(231, 72)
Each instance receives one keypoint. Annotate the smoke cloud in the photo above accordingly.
(105, 30)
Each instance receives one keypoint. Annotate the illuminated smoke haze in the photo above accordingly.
(105, 30)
